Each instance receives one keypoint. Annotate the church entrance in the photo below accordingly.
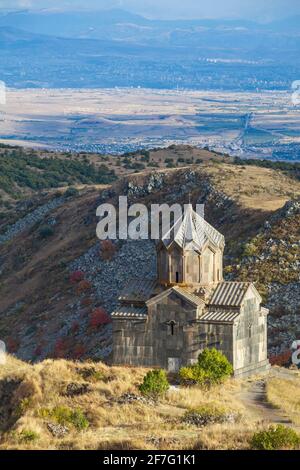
(173, 364)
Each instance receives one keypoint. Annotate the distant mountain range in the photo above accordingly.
(96, 24)
(117, 48)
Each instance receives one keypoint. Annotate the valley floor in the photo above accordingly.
(117, 120)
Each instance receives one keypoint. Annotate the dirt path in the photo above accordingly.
(254, 398)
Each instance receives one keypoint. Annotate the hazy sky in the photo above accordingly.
(262, 10)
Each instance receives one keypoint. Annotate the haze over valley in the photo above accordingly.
(115, 81)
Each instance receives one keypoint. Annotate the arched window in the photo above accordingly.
(171, 327)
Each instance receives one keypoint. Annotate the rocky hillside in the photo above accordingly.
(58, 284)
(272, 260)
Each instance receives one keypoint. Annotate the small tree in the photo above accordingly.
(212, 367)
(193, 375)
(215, 364)
(155, 384)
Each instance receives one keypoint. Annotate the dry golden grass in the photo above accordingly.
(254, 187)
(112, 425)
(284, 394)
(218, 437)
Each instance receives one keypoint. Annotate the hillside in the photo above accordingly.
(47, 238)
(65, 405)
(24, 172)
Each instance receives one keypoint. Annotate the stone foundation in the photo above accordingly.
(252, 369)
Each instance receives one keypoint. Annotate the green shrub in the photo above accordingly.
(250, 249)
(155, 384)
(91, 374)
(28, 436)
(23, 406)
(215, 364)
(276, 438)
(64, 415)
(212, 367)
(79, 420)
(46, 231)
(71, 192)
(193, 375)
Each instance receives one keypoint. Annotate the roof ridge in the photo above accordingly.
(200, 231)
(230, 293)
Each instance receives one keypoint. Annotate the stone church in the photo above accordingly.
(166, 322)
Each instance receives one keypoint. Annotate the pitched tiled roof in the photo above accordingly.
(229, 294)
(137, 290)
(220, 315)
(195, 299)
(192, 232)
(128, 312)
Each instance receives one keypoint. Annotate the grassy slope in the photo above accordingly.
(34, 398)
(283, 392)
(34, 390)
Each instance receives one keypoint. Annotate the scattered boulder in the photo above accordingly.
(74, 389)
(132, 398)
(203, 418)
(57, 430)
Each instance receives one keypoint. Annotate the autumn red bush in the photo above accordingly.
(99, 317)
(107, 249)
(38, 350)
(79, 351)
(83, 286)
(12, 345)
(60, 348)
(75, 327)
(86, 302)
(282, 359)
(76, 276)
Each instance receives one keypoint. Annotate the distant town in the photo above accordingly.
(120, 120)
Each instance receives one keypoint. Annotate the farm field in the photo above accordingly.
(127, 119)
